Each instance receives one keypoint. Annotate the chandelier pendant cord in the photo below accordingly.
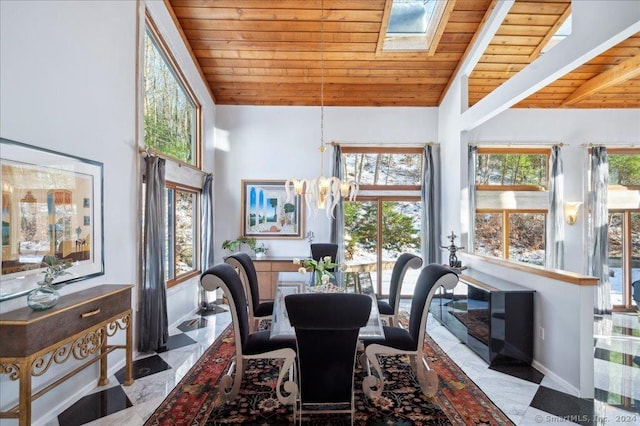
(321, 192)
(322, 146)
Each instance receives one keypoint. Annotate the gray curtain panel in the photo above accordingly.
(598, 228)
(472, 160)
(207, 222)
(154, 328)
(555, 217)
(337, 223)
(430, 207)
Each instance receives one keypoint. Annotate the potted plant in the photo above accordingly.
(261, 250)
(236, 245)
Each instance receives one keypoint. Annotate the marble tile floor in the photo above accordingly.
(524, 394)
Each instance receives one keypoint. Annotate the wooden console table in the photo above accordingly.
(267, 270)
(78, 326)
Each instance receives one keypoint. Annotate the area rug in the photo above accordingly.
(196, 400)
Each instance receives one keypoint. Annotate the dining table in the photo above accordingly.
(297, 282)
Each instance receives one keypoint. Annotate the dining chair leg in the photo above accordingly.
(427, 377)
(290, 387)
(371, 381)
(230, 382)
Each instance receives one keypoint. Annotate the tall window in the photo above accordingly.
(624, 226)
(511, 203)
(384, 221)
(182, 231)
(171, 112)
(172, 128)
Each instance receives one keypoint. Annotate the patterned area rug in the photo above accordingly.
(196, 399)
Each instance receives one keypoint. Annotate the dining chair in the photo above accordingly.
(389, 309)
(401, 341)
(321, 250)
(249, 345)
(247, 271)
(326, 327)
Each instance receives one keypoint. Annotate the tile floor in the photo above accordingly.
(525, 395)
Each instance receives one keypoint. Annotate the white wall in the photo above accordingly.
(283, 142)
(68, 83)
(565, 312)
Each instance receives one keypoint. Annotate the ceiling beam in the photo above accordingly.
(620, 73)
(488, 27)
(591, 36)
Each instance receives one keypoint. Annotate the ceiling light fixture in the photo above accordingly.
(322, 192)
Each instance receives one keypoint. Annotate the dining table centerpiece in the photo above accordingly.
(320, 268)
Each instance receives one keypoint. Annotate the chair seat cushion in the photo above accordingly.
(260, 342)
(395, 337)
(264, 309)
(385, 308)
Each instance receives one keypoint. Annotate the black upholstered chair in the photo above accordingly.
(389, 309)
(636, 292)
(327, 327)
(399, 341)
(247, 271)
(256, 345)
(321, 250)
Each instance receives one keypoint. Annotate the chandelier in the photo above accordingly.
(322, 192)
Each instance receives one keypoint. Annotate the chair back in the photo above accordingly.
(403, 263)
(321, 250)
(248, 276)
(636, 291)
(224, 276)
(430, 279)
(327, 327)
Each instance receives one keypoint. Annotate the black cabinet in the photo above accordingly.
(495, 321)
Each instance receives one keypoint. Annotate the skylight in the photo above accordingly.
(412, 24)
(563, 32)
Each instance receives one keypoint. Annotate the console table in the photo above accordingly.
(76, 328)
(493, 317)
(267, 270)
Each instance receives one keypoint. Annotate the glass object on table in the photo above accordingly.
(43, 297)
(296, 282)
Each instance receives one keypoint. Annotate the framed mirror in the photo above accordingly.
(51, 206)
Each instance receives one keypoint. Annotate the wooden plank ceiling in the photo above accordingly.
(254, 52)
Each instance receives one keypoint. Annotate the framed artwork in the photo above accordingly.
(266, 212)
(51, 206)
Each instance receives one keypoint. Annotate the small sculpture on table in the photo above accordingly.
(453, 249)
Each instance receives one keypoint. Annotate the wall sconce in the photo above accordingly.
(571, 211)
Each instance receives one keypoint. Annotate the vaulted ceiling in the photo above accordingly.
(254, 52)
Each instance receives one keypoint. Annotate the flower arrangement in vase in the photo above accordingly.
(319, 268)
(46, 295)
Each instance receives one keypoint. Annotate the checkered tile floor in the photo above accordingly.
(525, 395)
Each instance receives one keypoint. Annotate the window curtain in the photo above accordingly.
(337, 222)
(207, 233)
(207, 222)
(598, 228)
(154, 328)
(472, 160)
(555, 217)
(430, 204)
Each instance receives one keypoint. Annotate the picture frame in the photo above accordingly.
(52, 205)
(266, 212)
